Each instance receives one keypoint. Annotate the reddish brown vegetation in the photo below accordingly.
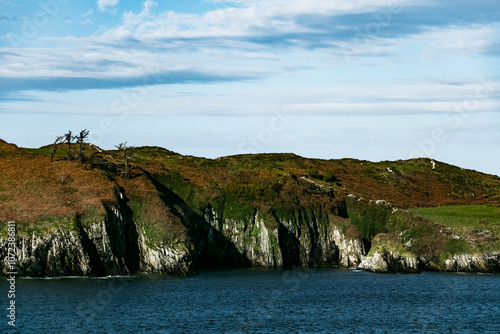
(32, 187)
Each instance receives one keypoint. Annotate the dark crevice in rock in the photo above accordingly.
(367, 245)
(123, 237)
(315, 251)
(290, 247)
(131, 256)
(341, 209)
(90, 249)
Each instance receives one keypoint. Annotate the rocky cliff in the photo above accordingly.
(117, 246)
(283, 242)
(114, 246)
(485, 262)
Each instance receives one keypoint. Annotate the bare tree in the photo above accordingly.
(80, 139)
(68, 139)
(55, 146)
(125, 155)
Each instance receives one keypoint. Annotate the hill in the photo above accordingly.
(178, 213)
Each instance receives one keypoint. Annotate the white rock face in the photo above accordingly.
(474, 262)
(163, 260)
(257, 243)
(375, 263)
(390, 261)
(290, 243)
(56, 254)
(93, 251)
(403, 263)
(351, 251)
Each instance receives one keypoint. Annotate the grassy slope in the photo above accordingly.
(411, 183)
(474, 228)
(42, 196)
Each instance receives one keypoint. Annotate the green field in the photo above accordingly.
(477, 226)
(471, 216)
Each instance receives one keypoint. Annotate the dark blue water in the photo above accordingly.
(260, 301)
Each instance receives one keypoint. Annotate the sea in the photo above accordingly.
(297, 300)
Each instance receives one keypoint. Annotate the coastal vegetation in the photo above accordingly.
(251, 210)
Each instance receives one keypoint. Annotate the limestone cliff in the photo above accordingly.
(275, 242)
(114, 246)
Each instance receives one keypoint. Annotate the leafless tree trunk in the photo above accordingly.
(125, 156)
(80, 139)
(68, 139)
(55, 146)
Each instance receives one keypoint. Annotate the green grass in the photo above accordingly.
(4, 198)
(471, 216)
(42, 226)
(49, 224)
(92, 215)
(41, 151)
(458, 246)
(61, 152)
(150, 153)
(463, 221)
(45, 151)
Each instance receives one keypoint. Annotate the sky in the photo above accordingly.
(372, 80)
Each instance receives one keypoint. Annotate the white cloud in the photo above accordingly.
(88, 13)
(107, 5)
(248, 18)
(459, 39)
(130, 19)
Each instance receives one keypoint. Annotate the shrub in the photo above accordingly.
(313, 172)
(329, 177)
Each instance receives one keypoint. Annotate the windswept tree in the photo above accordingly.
(68, 139)
(55, 146)
(80, 139)
(125, 156)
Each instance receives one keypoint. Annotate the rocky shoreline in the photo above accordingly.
(117, 246)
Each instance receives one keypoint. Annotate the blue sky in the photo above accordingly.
(375, 80)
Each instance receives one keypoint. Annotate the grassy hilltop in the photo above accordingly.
(430, 208)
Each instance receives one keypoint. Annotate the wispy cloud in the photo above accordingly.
(107, 5)
(88, 12)
(462, 39)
